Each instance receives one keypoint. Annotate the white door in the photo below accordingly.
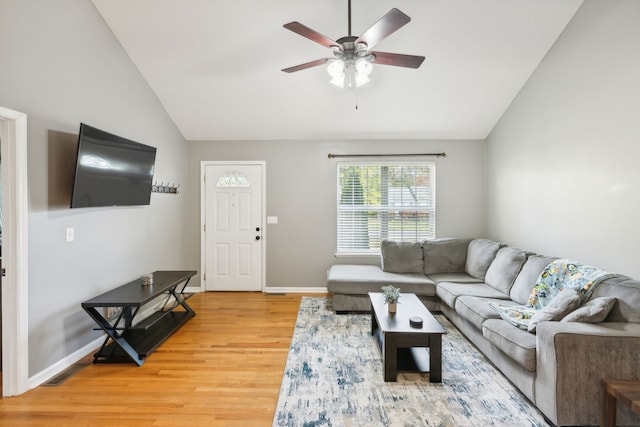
(233, 229)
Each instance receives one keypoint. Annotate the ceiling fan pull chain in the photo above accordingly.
(355, 93)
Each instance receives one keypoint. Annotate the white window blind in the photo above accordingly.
(378, 201)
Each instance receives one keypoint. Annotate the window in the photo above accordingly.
(378, 201)
(233, 179)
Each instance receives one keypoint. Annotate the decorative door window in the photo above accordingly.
(233, 179)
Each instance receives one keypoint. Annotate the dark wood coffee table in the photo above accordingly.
(402, 345)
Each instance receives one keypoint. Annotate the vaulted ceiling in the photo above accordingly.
(216, 65)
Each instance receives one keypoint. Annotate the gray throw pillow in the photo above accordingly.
(504, 268)
(447, 255)
(593, 311)
(627, 292)
(561, 305)
(401, 257)
(480, 254)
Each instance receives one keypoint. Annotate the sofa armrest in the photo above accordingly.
(573, 357)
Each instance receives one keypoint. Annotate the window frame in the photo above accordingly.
(429, 209)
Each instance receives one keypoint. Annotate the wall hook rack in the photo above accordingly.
(164, 188)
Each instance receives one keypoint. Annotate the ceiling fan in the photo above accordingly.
(353, 58)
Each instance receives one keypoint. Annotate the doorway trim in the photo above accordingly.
(15, 332)
(263, 215)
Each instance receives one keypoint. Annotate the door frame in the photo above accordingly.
(15, 331)
(263, 215)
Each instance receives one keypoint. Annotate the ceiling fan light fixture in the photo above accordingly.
(363, 67)
(338, 80)
(336, 71)
(348, 74)
(354, 60)
(335, 68)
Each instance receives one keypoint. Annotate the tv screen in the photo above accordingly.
(111, 170)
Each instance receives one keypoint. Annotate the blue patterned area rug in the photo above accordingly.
(333, 377)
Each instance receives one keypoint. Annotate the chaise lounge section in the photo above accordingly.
(559, 365)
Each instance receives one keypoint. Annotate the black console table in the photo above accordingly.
(128, 340)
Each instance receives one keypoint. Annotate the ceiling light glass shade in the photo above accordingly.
(351, 73)
(336, 71)
(363, 69)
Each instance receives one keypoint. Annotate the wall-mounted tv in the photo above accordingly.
(111, 170)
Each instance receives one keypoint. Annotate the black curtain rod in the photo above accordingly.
(333, 156)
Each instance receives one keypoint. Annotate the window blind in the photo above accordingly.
(380, 200)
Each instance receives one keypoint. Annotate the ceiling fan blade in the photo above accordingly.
(306, 65)
(387, 25)
(397, 59)
(312, 35)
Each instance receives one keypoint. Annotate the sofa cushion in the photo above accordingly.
(593, 311)
(401, 257)
(480, 254)
(476, 310)
(505, 267)
(449, 291)
(361, 279)
(526, 279)
(627, 294)
(453, 277)
(445, 255)
(561, 305)
(516, 343)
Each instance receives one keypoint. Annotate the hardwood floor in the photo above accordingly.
(222, 368)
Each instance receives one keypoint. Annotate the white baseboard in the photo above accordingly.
(276, 290)
(63, 364)
(273, 290)
(280, 290)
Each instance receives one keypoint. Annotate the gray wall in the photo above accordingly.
(562, 163)
(61, 65)
(301, 192)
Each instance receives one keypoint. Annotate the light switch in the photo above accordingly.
(272, 220)
(70, 234)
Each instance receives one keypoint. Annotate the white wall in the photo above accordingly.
(301, 192)
(562, 163)
(61, 65)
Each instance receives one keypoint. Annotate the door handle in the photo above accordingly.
(257, 237)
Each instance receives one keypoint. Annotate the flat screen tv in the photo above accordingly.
(111, 170)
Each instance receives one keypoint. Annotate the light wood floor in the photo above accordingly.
(222, 368)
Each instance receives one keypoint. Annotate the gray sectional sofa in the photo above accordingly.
(559, 367)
